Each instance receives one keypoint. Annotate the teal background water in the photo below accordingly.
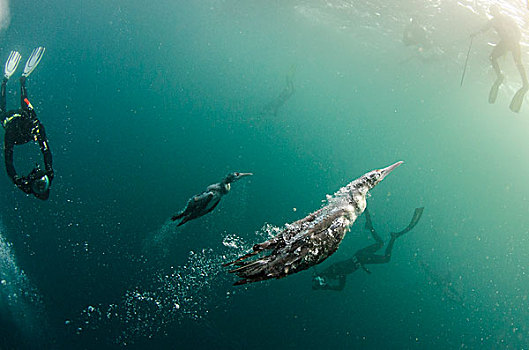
(147, 104)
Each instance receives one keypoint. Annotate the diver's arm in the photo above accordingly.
(20, 182)
(40, 137)
(323, 283)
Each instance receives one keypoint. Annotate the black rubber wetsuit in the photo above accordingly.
(22, 126)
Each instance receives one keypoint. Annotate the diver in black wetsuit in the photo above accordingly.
(339, 271)
(22, 126)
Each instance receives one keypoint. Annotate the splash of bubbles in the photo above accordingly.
(18, 294)
(234, 242)
(184, 292)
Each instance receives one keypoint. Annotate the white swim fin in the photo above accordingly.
(33, 61)
(12, 64)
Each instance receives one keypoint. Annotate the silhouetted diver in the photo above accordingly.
(311, 240)
(205, 202)
(273, 106)
(510, 36)
(339, 271)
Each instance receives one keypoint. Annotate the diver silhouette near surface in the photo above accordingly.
(334, 276)
(272, 107)
(510, 37)
(22, 126)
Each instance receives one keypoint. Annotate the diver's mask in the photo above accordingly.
(40, 183)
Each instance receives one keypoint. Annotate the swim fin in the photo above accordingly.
(33, 61)
(414, 221)
(518, 98)
(12, 64)
(493, 94)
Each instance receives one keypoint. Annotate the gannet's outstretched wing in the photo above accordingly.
(310, 246)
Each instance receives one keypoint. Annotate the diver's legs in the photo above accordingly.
(389, 248)
(517, 56)
(369, 226)
(366, 257)
(3, 99)
(498, 51)
(370, 258)
(23, 92)
(364, 253)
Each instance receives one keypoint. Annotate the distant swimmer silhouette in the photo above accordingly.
(416, 35)
(338, 272)
(272, 107)
(510, 37)
(311, 240)
(418, 38)
(205, 202)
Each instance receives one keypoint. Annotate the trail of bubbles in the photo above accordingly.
(156, 243)
(186, 292)
(18, 295)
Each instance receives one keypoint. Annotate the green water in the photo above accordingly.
(146, 105)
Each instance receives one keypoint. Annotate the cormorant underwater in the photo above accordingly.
(311, 240)
(205, 202)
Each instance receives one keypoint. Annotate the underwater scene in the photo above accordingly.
(249, 174)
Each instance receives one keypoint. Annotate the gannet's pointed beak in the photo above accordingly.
(245, 174)
(385, 172)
